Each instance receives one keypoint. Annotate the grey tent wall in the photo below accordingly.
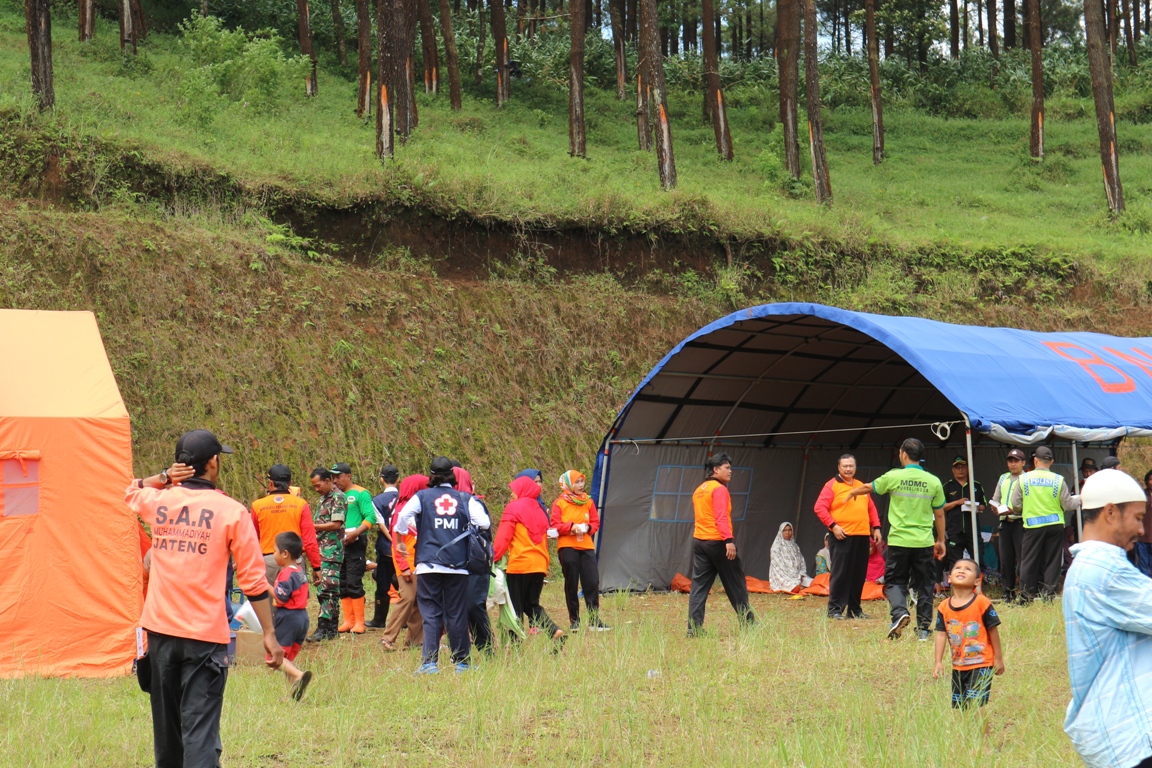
(637, 552)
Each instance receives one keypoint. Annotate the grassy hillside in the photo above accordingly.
(948, 184)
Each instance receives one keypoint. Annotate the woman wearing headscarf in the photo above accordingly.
(478, 622)
(575, 519)
(824, 558)
(523, 535)
(537, 477)
(406, 612)
(786, 569)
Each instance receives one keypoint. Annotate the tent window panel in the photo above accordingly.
(675, 484)
(19, 487)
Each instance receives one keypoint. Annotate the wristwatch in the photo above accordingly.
(164, 477)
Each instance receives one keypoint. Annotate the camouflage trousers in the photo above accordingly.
(328, 593)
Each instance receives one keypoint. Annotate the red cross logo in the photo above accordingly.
(445, 505)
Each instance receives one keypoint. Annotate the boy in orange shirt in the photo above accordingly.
(968, 623)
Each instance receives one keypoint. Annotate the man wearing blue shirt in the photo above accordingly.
(1108, 625)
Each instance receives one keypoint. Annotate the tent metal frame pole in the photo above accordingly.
(1076, 485)
(977, 539)
(800, 490)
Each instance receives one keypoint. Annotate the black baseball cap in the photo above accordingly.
(340, 468)
(1043, 452)
(1016, 453)
(198, 446)
(1110, 462)
(960, 460)
(441, 465)
(390, 472)
(1088, 463)
(280, 473)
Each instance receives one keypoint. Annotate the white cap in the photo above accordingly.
(1110, 486)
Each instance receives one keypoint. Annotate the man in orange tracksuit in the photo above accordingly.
(714, 548)
(281, 511)
(852, 522)
(195, 530)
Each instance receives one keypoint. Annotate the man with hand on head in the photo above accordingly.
(1108, 626)
(196, 530)
(1042, 497)
(361, 519)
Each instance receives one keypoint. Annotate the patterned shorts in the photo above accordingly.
(971, 686)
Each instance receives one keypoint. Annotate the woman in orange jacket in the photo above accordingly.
(575, 519)
(523, 535)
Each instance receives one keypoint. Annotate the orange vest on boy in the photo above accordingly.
(967, 635)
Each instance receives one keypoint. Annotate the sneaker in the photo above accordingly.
(600, 626)
(860, 616)
(923, 635)
(836, 617)
(463, 666)
(428, 668)
(898, 626)
(574, 626)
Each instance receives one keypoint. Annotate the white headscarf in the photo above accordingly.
(786, 569)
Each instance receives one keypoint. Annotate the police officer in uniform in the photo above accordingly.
(1011, 529)
(1042, 496)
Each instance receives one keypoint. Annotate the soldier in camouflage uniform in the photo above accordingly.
(329, 520)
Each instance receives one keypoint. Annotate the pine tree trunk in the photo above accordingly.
(1009, 23)
(577, 140)
(1128, 40)
(203, 7)
(713, 93)
(1101, 73)
(1113, 28)
(364, 59)
(1036, 140)
(953, 29)
(128, 34)
(500, 40)
(87, 20)
(38, 25)
(450, 53)
(993, 41)
(653, 66)
(304, 22)
(338, 33)
(404, 77)
(430, 54)
(874, 81)
(643, 112)
(385, 73)
(480, 41)
(821, 180)
(616, 14)
(788, 59)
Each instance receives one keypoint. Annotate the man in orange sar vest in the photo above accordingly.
(282, 511)
(714, 547)
(852, 522)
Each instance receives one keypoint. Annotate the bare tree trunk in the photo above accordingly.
(304, 22)
(874, 81)
(479, 43)
(1128, 38)
(38, 25)
(653, 65)
(993, 41)
(87, 20)
(1102, 95)
(713, 93)
(500, 39)
(788, 60)
(385, 73)
(128, 33)
(820, 177)
(953, 29)
(615, 13)
(364, 59)
(1009, 23)
(1113, 28)
(203, 7)
(451, 54)
(1036, 141)
(430, 57)
(577, 140)
(404, 76)
(338, 33)
(643, 111)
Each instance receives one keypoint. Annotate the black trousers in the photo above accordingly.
(954, 547)
(1011, 547)
(849, 566)
(352, 569)
(187, 690)
(1041, 556)
(443, 602)
(384, 575)
(910, 568)
(524, 591)
(478, 622)
(580, 572)
(708, 562)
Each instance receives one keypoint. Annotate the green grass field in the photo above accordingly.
(795, 691)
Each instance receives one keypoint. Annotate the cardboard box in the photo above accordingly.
(249, 648)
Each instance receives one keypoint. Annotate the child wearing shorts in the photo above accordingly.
(290, 595)
(968, 623)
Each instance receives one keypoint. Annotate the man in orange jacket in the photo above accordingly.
(852, 522)
(714, 547)
(282, 511)
(196, 529)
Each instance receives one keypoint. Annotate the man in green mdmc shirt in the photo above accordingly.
(915, 536)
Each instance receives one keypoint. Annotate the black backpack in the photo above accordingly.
(477, 552)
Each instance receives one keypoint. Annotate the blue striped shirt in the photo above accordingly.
(1108, 624)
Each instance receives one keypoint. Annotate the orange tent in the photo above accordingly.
(71, 584)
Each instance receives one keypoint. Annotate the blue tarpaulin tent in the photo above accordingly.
(786, 388)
